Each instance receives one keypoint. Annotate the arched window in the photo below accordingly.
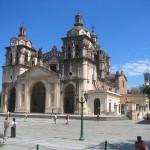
(26, 57)
(53, 67)
(17, 58)
(10, 59)
(33, 63)
(69, 52)
(122, 83)
(77, 51)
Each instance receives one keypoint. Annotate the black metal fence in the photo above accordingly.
(112, 146)
(102, 146)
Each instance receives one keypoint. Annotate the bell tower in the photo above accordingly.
(79, 67)
(22, 31)
(78, 20)
(18, 56)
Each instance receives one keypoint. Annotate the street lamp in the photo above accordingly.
(82, 102)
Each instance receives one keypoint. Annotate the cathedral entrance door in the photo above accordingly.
(37, 103)
(96, 106)
(12, 100)
(69, 99)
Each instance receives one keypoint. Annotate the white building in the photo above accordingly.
(56, 80)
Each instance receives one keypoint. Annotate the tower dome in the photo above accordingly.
(78, 28)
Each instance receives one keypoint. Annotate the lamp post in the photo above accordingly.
(82, 102)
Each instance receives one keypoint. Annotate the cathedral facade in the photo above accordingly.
(56, 81)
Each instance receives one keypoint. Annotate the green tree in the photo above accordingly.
(134, 90)
(146, 90)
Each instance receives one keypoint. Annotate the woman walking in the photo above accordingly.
(13, 128)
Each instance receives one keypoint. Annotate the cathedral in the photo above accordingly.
(56, 81)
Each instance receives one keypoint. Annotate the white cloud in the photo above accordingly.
(134, 68)
(114, 68)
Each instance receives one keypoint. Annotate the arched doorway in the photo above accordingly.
(96, 106)
(12, 100)
(69, 99)
(37, 103)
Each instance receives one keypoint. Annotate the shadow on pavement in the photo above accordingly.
(114, 146)
(144, 122)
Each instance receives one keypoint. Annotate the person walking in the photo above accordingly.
(140, 145)
(97, 116)
(13, 128)
(52, 111)
(8, 114)
(26, 116)
(55, 118)
(67, 119)
(6, 126)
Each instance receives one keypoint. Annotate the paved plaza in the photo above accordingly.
(42, 131)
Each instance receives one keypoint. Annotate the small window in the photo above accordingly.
(11, 59)
(70, 73)
(17, 58)
(77, 51)
(140, 109)
(109, 107)
(26, 57)
(123, 83)
(69, 52)
(33, 63)
(137, 107)
(53, 68)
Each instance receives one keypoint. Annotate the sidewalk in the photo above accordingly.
(119, 134)
(63, 116)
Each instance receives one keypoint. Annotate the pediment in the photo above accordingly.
(38, 71)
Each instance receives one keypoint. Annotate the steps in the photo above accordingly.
(63, 116)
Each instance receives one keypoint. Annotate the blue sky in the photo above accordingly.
(122, 26)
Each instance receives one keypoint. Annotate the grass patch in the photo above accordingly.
(1, 145)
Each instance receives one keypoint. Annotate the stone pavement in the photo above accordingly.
(42, 131)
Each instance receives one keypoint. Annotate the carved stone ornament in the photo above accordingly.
(74, 32)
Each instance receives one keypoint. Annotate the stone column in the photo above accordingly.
(116, 110)
(85, 70)
(27, 97)
(4, 102)
(48, 101)
(56, 94)
(27, 101)
(63, 71)
(18, 98)
(22, 57)
(133, 111)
